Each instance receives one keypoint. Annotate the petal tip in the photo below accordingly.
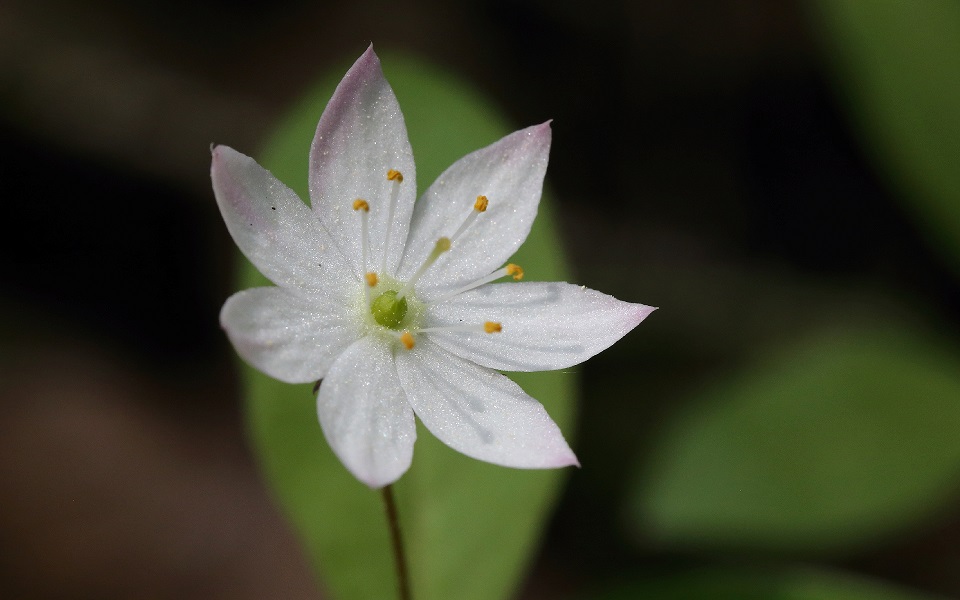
(220, 153)
(565, 459)
(639, 313)
(646, 311)
(543, 130)
(368, 61)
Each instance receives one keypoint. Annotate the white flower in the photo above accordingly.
(391, 303)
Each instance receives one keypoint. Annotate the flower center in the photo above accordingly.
(388, 310)
(391, 309)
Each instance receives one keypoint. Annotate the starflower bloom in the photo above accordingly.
(391, 302)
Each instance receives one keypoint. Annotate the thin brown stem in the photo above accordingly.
(399, 556)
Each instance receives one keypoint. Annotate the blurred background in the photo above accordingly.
(780, 178)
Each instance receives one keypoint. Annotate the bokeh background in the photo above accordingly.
(781, 178)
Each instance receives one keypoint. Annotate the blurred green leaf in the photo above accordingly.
(839, 441)
(796, 584)
(469, 527)
(898, 62)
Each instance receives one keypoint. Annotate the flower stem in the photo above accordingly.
(399, 556)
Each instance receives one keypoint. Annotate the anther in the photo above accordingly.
(442, 245)
(371, 278)
(515, 271)
(360, 204)
(395, 175)
(478, 207)
(407, 340)
(492, 327)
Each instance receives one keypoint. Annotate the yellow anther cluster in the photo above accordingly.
(492, 327)
(516, 271)
(371, 278)
(481, 204)
(360, 204)
(407, 340)
(395, 175)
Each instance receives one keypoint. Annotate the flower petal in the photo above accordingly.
(360, 137)
(274, 228)
(289, 337)
(545, 325)
(480, 412)
(364, 415)
(510, 174)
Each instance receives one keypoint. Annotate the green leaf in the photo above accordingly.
(830, 445)
(898, 63)
(469, 527)
(794, 584)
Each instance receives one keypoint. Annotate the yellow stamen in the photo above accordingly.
(407, 340)
(492, 327)
(510, 269)
(360, 205)
(371, 278)
(397, 178)
(478, 207)
(442, 245)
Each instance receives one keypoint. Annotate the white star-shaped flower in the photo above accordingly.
(391, 301)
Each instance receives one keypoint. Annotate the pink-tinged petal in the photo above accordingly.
(275, 229)
(479, 412)
(545, 326)
(510, 174)
(289, 337)
(361, 136)
(364, 415)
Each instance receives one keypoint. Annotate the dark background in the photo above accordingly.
(702, 162)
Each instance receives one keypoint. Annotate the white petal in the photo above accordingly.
(288, 336)
(479, 412)
(510, 174)
(545, 325)
(274, 228)
(364, 415)
(361, 136)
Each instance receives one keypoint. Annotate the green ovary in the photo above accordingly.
(387, 310)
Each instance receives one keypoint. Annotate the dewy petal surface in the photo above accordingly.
(546, 326)
(364, 416)
(290, 337)
(510, 173)
(274, 228)
(360, 137)
(480, 412)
